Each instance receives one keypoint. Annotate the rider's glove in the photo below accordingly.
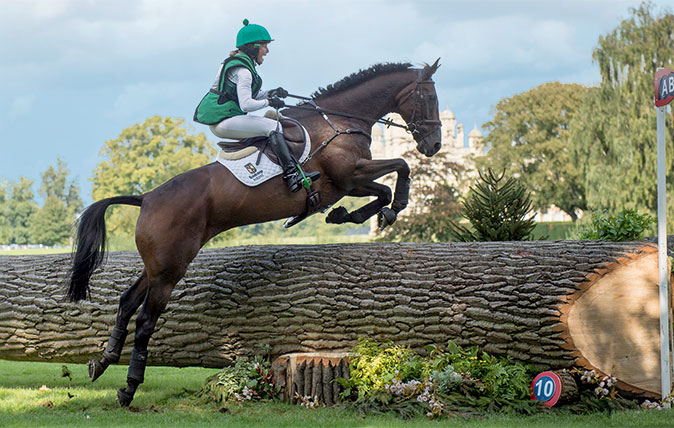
(276, 102)
(278, 92)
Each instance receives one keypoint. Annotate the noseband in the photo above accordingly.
(413, 125)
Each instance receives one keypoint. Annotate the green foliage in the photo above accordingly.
(18, 210)
(528, 138)
(390, 377)
(373, 366)
(143, 157)
(627, 225)
(55, 184)
(243, 381)
(433, 200)
(613, 135)
(498, 209)
(51, 224)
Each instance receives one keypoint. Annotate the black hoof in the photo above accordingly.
(95, 369)
(386, 217)
(124, 397)
(337, 216)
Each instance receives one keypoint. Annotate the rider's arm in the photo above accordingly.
(244, 80)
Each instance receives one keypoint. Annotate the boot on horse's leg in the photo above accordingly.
(135, 377)
(111, 353)
(293, 175)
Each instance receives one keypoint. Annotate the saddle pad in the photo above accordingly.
(251, 172)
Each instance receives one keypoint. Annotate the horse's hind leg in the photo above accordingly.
(157, 297)
(129, 302)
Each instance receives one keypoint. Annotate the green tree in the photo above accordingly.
(613, 135)
(52, 224)
(528, 137)
(19, 208)
(55, 184)
(498, 209)
(434, 200)
(5, 231)
(144, 156)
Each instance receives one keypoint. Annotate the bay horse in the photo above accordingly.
(177, 218)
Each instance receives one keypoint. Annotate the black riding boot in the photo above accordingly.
(292, 171)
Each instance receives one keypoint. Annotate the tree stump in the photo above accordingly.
(551, 304)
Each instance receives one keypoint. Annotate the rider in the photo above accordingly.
(237, 91)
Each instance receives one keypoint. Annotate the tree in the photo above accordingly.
(528, 137)
(19, 208)
(613, 135)
(4, 223)
(51, 224)
(434, 201)
(143, 157)
(497, 209)
(55, 184)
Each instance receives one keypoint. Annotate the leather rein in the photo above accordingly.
(412, 127)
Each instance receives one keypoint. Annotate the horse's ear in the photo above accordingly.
(428, 71)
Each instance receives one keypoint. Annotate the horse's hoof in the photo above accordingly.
(124, 397)
(386, 217)
(95, 369)
(337, 216)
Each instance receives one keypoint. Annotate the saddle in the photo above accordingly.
(293, 132)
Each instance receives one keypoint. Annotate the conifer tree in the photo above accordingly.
(498, 209)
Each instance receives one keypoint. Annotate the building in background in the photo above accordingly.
(393, 142)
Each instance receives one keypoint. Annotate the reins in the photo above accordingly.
(412, 127)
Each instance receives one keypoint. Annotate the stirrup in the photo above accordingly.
(298, 179)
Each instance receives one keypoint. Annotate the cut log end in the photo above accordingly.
(614, 323)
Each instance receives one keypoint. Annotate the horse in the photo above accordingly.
(177, 218)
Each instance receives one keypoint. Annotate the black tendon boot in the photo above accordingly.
(135, 377)
(110, 355)
(293, 175)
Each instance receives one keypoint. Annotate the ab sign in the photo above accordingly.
(664, 87)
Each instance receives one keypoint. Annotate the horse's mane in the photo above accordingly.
(360, 77)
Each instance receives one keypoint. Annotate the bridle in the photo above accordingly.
(413, 125)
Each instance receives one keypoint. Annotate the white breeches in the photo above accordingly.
(244, 126)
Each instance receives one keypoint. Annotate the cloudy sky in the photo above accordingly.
(75, 73)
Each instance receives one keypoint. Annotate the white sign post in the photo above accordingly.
(664, 94)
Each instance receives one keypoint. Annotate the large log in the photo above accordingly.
(551, 304)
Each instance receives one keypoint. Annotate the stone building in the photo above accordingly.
(393, 142)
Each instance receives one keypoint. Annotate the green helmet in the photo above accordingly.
(252, 33)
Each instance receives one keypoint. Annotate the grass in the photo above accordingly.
(169, 398)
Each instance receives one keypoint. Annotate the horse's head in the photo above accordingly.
(418, 105)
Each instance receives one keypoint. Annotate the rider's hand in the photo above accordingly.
(278, 92)
(276, 102)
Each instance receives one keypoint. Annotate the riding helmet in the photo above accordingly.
(252, 33)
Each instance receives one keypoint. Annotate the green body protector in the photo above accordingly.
(222, 102)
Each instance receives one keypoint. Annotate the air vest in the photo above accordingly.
(222, 102)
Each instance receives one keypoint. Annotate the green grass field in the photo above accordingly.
(169, 398)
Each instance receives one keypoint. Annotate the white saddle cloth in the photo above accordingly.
(245, 167)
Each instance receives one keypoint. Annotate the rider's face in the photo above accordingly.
(264, 50)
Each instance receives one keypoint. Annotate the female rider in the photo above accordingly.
(237, 91)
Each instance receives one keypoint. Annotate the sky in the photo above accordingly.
(75, 73)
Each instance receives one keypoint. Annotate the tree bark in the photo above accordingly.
(551, 304)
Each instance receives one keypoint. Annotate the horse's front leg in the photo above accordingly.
(363, 185)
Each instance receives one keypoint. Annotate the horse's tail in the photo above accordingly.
(90, 252)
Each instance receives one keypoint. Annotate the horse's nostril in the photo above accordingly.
(437, 147)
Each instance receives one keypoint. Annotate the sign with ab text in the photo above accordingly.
(664, 87)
